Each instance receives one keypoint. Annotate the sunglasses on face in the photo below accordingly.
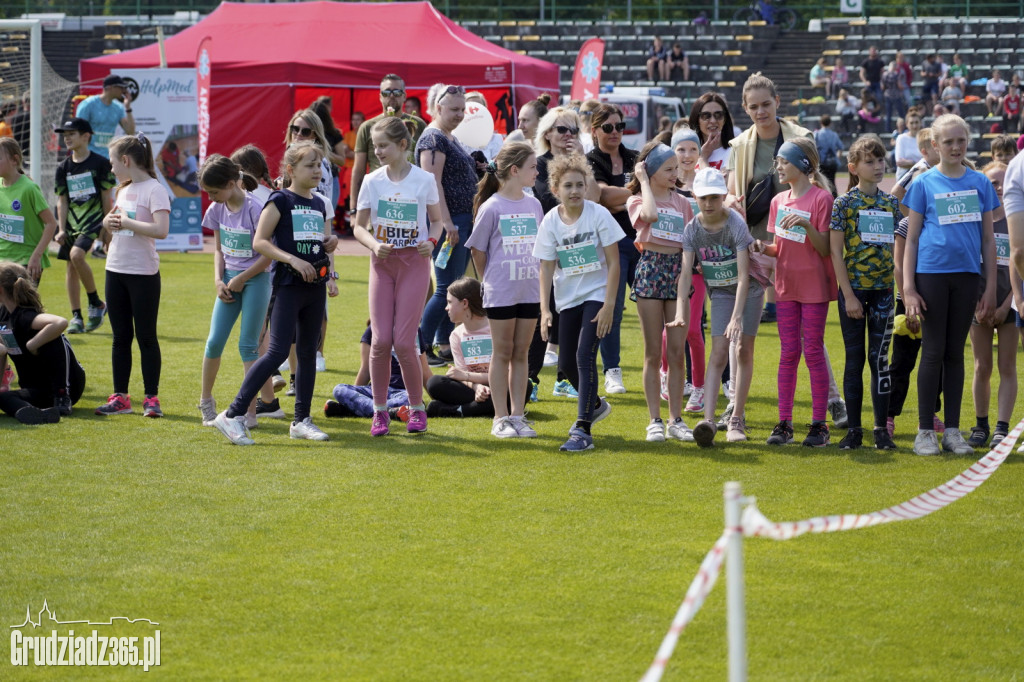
(562, 130)
(609, 127)
(451, 90)
(708, 115)
(301, 132)
(394, 92)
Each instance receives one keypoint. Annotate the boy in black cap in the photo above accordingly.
(83, 185)
(105, 112)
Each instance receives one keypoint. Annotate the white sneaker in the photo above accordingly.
(250, 421)
(523, 427)
(696, 401)
(926, 443)
(1020, 450)
(208, 408)
(656, 432)
(680, 431)
(503, 428)
(601, 411)
(307, 430)
(953, 441)
(321, 364)
(664, 384)
(687, 388)
(550, 359)
(613, 381)
(728, 390)
(283, 367)
(233, 428)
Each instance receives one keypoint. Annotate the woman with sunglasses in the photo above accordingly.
(439, 153)
(711, 119)
(613, 164)
(306, 125)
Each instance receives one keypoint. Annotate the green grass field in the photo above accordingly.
(455, 556)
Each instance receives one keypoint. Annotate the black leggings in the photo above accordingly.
(133, 302)
(538, 346)
(950, 299)
(877, 319)
(63, 374)
(454, 393)
(297, 318)
(904, 360)
(577, 354)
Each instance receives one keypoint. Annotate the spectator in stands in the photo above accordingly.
(819, 77)
(1003, 148)
(894, 82)
(106, 111)
(1012, 109)
(677, 59)
(959, 72)
(869, 110)
(656, 56)
(871, 72)
(529, 116)
(908, 77)
(413, 106)
(392, 99)
(907, 151)
(710, 117)
(952, 96)
(846, 107)
(931, 72)
(840, 76)
(830, 150)
(995, 89)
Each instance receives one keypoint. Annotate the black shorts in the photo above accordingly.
(519, 311)
(82, 241)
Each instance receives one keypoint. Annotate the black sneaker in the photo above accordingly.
(31, 414)
(997, 438)
(271, 410)
(433, 360)
(883, 441)
(446, 356)
(817, 437)
(782, 434)
(768, 317)
(332, 408)
(62, 401)
(853, 439)
(979, 436)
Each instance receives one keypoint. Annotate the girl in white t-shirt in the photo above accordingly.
(141, 215)
(577, 244)
(394, 204)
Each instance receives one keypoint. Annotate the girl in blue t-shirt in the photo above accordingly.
(949, 233)
(241, 278)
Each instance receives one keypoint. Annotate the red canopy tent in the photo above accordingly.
(270, 59)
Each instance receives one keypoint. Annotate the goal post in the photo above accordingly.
(35, 89)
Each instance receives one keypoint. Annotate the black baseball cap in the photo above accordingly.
(77, 125)
(114, 80)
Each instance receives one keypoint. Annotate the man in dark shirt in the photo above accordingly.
(931, 72)
(871, 72)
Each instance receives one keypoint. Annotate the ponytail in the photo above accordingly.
(252, 161)
(15, 279)
(138, 149)
(220, 171)
(810, 150)
(498, 171)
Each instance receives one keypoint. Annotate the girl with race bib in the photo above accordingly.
(718, 238)
(659, 214)
(394, 205)
(141, 215)
(577, 244)
(861, 240)
(805, 283)
(241, 275)
(949, 233)
(27, 224)
(504, 233)
(292, 230)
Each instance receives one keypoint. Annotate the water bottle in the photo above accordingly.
(443, 255)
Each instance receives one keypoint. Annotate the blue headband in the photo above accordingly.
(684, 134)
(658, 156)
(792, 153)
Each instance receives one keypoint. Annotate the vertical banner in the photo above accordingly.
(586, 77)
(164, 103)
(203, 100)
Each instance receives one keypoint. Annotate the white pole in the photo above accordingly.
(35, 140)
(736, 616)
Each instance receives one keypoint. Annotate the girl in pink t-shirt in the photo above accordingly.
(141, 215)
(805, 283)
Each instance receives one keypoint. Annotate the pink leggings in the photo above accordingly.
(398, 288)
(802, 327)
(694, 334)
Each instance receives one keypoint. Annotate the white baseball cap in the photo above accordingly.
(709, 181)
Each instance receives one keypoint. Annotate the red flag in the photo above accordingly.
(203, 73)
(586, 77)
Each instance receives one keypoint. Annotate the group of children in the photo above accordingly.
(858, 249)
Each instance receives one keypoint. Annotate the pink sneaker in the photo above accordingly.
(417, 421)
(939, 426)
(381, 423)
(116, 404)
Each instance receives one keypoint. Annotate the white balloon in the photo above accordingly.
(476, 128)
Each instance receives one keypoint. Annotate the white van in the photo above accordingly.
(642, 107)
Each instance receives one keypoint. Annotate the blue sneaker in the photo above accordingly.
(534, 385)
(564, 389)
(579, 440)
